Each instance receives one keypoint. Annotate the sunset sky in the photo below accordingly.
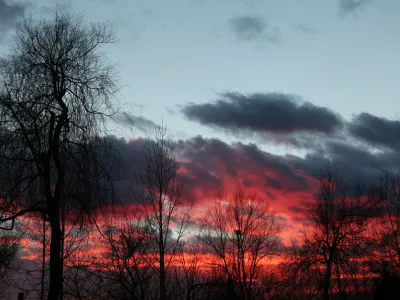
(257, 94)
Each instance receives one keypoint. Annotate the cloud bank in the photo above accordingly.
(360, 149)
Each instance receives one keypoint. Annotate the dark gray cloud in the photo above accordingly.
(351, 6)
(9, 14)
(138, 122)
(210, 166)
(273, 113)
(359, 150)
(247, 164)
(378, 132)
(196, 174)
(130, 158)
(351, 162)
(254, 28)
(250, 166)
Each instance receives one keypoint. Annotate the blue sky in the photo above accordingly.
(256, 94)
(330, 53)
(299, 82)
(339, 55)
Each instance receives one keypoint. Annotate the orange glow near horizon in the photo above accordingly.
(289, 206)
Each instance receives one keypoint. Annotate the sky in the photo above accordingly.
(256, 94)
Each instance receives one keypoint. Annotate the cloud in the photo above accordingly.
(199, 179)
(351, 163)
(350, 6)
(211, 166)
(130, 159)
(378, 132)
(9, 14)
(359, 150)
(138, 122)
(254, 168)
(244, 165)
(304, 29)
(254, 28)
(272, 112)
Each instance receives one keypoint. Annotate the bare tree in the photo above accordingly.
(83, 274)
(241, 233)
(331, 250)
(301, 277)
(125, 262)
(192, 277)
(55, 92)
(82, 283)
(162, 199)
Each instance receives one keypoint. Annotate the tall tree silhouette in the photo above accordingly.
(55, 92)
(240, 233)
(162, 199)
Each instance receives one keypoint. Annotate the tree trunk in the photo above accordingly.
(162, 245)
(43, 261)
(327, 281)
(55, 258)
(62, 249)
(162, 272)
(162, 282)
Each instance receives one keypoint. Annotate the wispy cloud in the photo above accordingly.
(304, 29)
(351, 6)
(138, 122)
(254, 28)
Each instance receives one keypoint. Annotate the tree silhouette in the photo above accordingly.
(162, 201)
(55, 92)
(339, 222)
(240, 233)
(125, 261)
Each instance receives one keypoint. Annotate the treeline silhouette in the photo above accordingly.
(64, 236)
